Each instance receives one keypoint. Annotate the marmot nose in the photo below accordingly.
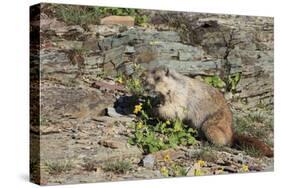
(146, 86)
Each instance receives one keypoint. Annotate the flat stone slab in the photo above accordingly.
(122, 20)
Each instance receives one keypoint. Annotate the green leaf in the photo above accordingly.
(144, 115)
(152, 149)
(214, 81)
(131, 141)
(191, 140)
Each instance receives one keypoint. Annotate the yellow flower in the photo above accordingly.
(139, 125)
(245, 168)
(120, 80)
(137, 108)
(198, 172)
(164, 171)
(167, 158)
(201, 163)
(168, 122)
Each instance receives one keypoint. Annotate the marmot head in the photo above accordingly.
(162, 80)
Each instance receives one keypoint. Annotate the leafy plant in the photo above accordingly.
(198, 172)
(247, 124)
(105, 11)
(77, 14)
(252, 151)
(58, 167)
(178, 170)
(119, 167)
(153, 135)
(214, 81)
(229, 85)
(134, 85)
(141, 19)
(233, 81)
(82, 15)
(175, 170)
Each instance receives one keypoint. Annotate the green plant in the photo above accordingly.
(230, 85)
(198, 172)
(58, 167)
(82, 15)
(106, 11)
(153, 135)
(241, 124)
(214, 81)
(77, 14)
(141, 19)
(258, 117)
(233, 81)
(119, 167)
(171, 168)
(134, 85)
(178, 170)
(247, 124)
(252, 151)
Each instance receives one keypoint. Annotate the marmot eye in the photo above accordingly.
(157, 78)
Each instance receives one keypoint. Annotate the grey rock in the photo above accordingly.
(220, 162)
(191, 153)
(92, 60)
(239, 159)
(68, 44)
(120, 40)
(254, 52)
(269, 168)
(112, 112)
(126, 69)
(114, 55)
(148, 161)
(187, 67)
(135, 36)
(183, 56)
(148, 174)
(91, 44)
(230, 169)
(104, 30)
(130, 50)
(170, 50)
(165, 36)
(52, 56)
(105, 44)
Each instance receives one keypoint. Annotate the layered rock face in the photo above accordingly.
(199, 48)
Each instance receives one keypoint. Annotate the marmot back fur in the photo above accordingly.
(199, 105)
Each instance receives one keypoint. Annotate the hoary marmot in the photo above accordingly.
(199, 105)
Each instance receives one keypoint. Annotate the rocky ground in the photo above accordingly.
(82, 136)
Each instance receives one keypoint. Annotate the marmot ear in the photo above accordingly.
(167, 71)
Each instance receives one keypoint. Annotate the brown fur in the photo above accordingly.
(199, 105)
